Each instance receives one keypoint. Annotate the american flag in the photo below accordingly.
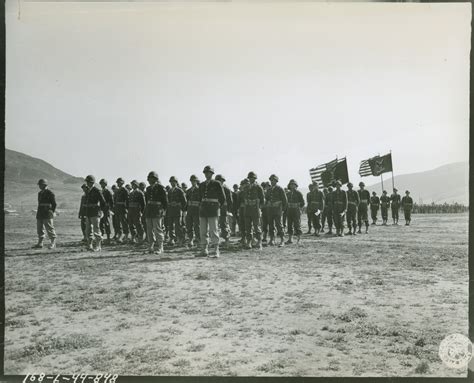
(365, 169)
(316, 172)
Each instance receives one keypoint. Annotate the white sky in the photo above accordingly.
(118, 89)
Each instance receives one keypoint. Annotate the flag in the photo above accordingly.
(376, 166)
(325, 174)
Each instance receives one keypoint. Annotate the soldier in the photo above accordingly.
(352, 205)
(142, 187)
(339, 199)
(241, 206)
(295, 204)
(385, 204)
(374, 207)
(121, 210)
(82, 213)
(184, 187)
(308, 211)
(45, 214)
(277, 203)
(212, 197)
(136, 208)
(407, 205)
(395, 199)
(329, 209)
(364, 198)
(265, 219)
(287, 192)
(315, 207)
(254, 200)
(129, 188)
(156, 204)
(109, 205)
(323, 213)
(226, 207)
(95, 206)
(192, 212)
(235, 211)
(166, 219)
(115, 221)
(176, 205)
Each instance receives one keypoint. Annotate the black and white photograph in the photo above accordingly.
(236, 189)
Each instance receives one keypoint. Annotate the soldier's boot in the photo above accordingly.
(259, 244)
(248, 243)
(264, 239)
(282, 242)
(120, 238)
(151, 248)
(125, 238)
(39, 245)
(90, 245)
(160, 248)
(298, 239)
(52, 245)
(350, 231)
(316, 233)
(290, 239)
(204, 252)
(214, 253)
(272, 241)
(359, 231)
(226, 242)
(98, 244)
(133, 239)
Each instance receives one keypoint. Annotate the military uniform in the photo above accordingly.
(395, 200)
(384, 204)
(176, 204)
(136, 208)
(308, 211)
(362, 214)
(328, 210)
(285, 211)
(142, 187)
(254, 199)
(241, 207)
(94, 206)
(374, 208)
(115, 220)
(315, 208)
(277, 203)
(121, 210)
(109, 205)
(339, 199)
(192, 214)
(407, 205)
(265, 213)
(82, 214)
(235, 213)
(44, 216)
(226, 207)
(295, 204)
(352, 205)
(156, 204)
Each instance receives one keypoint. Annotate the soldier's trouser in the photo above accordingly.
(285, 216)
(252, 227)
(122, 223)
(294, 221)
(116, 224)
(174, 228)
(275, 220)
(329, 218)
(315, 220)
(384, 213)
(233, 224)
(143, 219)
(407, 213)
(351, 216)
(373, 212)
(93, 228)
(209, 227)
(310, 219)
(362, 215)
(105, 224)
(395, 209)
(192, 226)
(242, 228)
(83, 226)
(154, 230)
(265, 223)
(338, 220)
(224, 224)
(135, 222)
(47, 224)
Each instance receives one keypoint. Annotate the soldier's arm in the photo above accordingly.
(53, 202)
(221, 195)
(102, 202)
(323, 202)
(284, 198)
(183, 201)
(301, 200)
(230, 201)
(164, 198)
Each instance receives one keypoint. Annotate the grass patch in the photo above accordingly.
(195, 347)
(352, 314)
(422, 368)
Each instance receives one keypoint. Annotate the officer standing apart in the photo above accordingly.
(407, 205)
(176, 205)
(362, 214)
(254, 200)
(295, 204)
(395, 199)
(95, 206)
(385, 204)
(223, 221)
(45, 214)
(136, 207)
(315, 207)
(374, 207)
(109, 205)
(339, 199)
(156, 204)
(192, 211)
(277, 203)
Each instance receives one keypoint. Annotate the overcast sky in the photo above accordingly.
(119, 89)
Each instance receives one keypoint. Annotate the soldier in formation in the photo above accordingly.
(339, 200)
(295, 204)
(136, 208)
(142, 187)
(407, 206)
(192, 212)
(315, 207)
(329, 208)
(308, 213)
(363, 210)
(265, 219)
(395, 201)
(384, 205)
(156, 204)
(374, 207)
(241, 206)
(277, 203)
(109, 205)
(45, 215)
(121, 210)
(95, 206)
(254, 199)
(225, 209)
(82, 213)
(352, 207)
(176, 206)
(234, 221)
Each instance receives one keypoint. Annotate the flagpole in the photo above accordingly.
(393, 184)
(381, 179)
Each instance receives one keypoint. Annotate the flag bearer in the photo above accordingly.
(295, 204)
(364, 199)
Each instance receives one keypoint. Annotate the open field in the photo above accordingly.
(370, 305)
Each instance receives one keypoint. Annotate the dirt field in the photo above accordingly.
(370, 305)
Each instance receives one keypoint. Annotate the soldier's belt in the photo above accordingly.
(45, 204)
(314, 203)
(210, 200)
(133, 204)
(351, 202)
(154, 203)
(364, 201)
(91, 205)
(252, 201)
(338, 203)
(120, 203)
(293, 204)
(193, 203)
(174, 203)
(276, 203)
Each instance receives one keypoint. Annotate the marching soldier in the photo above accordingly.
(136, 208)
(241, 205)
(329, 207)
(407, 205)
(295, 204)
(352, 205)
(121, 210)
(226, 207)
(395, 199)
(315, 207)
(82, 213)
(95, 206)
(142, 187)
(109, 205)
(385, 204)
(265, 219)
(339, 200)
(364, 199)
(212, 197)
(277, 203)
(192, 213)
(115, 221)
(156, 204)
(308, 210)
(176, 204)
(45, 214)
(254, 200)
(374, 207)
(235, 211)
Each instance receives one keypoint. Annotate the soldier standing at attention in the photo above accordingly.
(374, 207)
(407, 205)
(329, 209)
(156, 204)
(166, 219)
(308, 210)
(364, 198)
(241, 204)
(395, 199)
(82, 213)
(128, 187)
(339, 199)
(121, 210)
(277, 203)
(184, 188)
(136, 208)
(323, 213)
(109, 205)
(115, 221)
(265, 219)
(385, 204)
(315, 207)
(212, 197)
(45, 215)
(192, 213)
(176, 205)
(226, 207)
(295, 204)
(142, 187)
(235, 211)
(95, 206)
(352, 205)
(254, 200)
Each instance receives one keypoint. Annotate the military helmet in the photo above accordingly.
(330, 189)
(208, 169)
(395, 189)
(235, 186)
(407, 192)
(114, 187)
(274, 177)
(193, 178)
(134, 182)
(120, 179)
(292, 182)
(220, 177)
(42, 181)
(183, 185)
(349, 184)
(384, 192)
(374, 193)
(245, 181)
(252, 175)
(173, 179)
(361, 184)
(153, 175)
(103, 181)
(340, 183)
(142, 185)
(83, 186)
(90, 178)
